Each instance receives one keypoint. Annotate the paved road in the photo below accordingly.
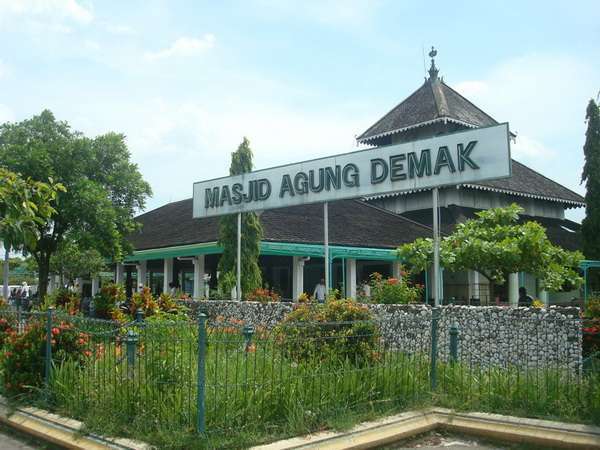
(10, 441)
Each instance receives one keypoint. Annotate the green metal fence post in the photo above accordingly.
(139, 315)
(131, 343)
(201, 424)
(435, 317)
(19, 324)
(247, 331)
(48, 353)
(454, 332)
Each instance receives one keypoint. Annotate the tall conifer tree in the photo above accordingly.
(252, 233)
(590, 227)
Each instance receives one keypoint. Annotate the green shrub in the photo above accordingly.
(338, 330)
(394, 290)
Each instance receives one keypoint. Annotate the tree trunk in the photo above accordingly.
(5, 292)
(44, 271)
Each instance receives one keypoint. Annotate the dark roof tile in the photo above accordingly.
(351, 223)
(432, 101)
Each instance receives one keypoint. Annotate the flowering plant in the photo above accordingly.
(537, 303)
(304, 298)
(105, 301)
(394, 290)
(22, 361)
(263, 295)
(65, 300)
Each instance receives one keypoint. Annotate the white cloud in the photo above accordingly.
(120, 30)
(91, 45)
(51, 10)
(528, 149)
(539, 94)
(184, 46)
(194, 139)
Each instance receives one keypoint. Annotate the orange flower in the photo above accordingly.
(251, 348)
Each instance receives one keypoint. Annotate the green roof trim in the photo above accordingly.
(267, 248)
(205, 248)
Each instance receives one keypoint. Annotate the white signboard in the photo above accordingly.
(464, 157)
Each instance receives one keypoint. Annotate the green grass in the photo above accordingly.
(261, 395)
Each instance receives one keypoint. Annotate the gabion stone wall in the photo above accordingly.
(488, 335)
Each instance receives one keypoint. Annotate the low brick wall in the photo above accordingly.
(489, 335)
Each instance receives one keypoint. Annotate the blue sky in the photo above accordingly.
(186, 80)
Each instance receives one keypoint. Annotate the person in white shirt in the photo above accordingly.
(319, 293)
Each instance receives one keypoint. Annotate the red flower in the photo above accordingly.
(55, 331)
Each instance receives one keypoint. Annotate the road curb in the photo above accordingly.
(401, 426)
(61, 431)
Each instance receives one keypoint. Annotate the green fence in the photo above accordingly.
(152, 379)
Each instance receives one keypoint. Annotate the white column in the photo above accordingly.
(198, 277)
(142, 270)
(544, 298)
(119, 273)
(474, 291)
(167, 273)
(95, 285)
(297, 276)
(513, 289)
(396, 269)
(350, 277)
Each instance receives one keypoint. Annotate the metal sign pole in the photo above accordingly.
(238, 286)
(326, 241)
(436, 249)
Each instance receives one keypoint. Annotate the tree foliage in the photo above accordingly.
(252, 232)
(591, 176)
(104, 189)
(496, 244)
(25, 206)
(71, 262)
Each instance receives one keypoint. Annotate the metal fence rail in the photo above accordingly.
(229, 377)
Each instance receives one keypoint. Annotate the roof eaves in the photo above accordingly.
(573, 203)
(416, 125)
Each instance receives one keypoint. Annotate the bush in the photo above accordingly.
(394, 290)
(339, 330)
(592, 309)
(66, 300)
(105, 301)
(263, 295)
(24, 354)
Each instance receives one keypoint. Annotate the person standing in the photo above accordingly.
(320, 291)
(524, 298)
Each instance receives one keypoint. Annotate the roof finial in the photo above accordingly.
(433, 71)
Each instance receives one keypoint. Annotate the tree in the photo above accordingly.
(25, 206)
(71, 262)
(496, 244)
(591, 177)
(104, 189)
(252, 232)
